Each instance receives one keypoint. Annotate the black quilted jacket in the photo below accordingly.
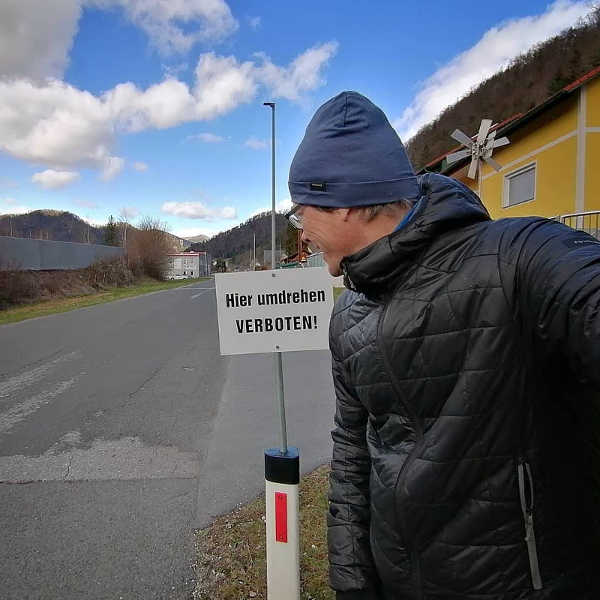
(466, 364)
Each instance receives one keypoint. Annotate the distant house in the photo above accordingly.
(551, 166)
(188, 264)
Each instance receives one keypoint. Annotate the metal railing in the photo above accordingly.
(584, 221)
(315, 260)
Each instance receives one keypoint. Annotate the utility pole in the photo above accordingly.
(254, 251)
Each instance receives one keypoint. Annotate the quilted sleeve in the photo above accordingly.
(351, 569)
(558, 284)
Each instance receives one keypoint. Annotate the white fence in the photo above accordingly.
(584, 221)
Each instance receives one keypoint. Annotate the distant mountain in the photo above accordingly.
(178, 244)
(197, 238)
(51, 225)
(237, 243)
(529, 80)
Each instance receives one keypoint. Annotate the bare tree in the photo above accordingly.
(147, 248)
(123, 224)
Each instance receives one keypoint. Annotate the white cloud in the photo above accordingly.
(198, 210)
(187, 233)
(222, 84)
(36, 37)
(209, 138)
(51, 179)
(140, 166)
(64, 127)
(95, 221)
(256, 144)
(9, 206)
(283, 205)
(254, 22)
(113, 165)
(494, 51)
(303, 74)
(174, 26)
(129, 212)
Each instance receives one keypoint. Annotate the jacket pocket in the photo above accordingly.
(527, 498)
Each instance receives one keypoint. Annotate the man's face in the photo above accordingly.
(330, 232)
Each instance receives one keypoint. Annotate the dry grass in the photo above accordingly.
(231, 559)
(59, 305)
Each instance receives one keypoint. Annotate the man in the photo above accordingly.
(466, 364)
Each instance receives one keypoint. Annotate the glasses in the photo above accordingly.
(294, 219)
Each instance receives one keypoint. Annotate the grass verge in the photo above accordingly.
(59, 305)
(336, 292)
(231, 558)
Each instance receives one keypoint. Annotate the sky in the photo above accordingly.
(154, 108)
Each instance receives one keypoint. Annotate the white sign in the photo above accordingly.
(274, 311)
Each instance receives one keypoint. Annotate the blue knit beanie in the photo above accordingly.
(351, 156)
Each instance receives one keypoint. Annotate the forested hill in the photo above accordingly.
(529, 80)
(237, 242)
(51, 225)
(63, 226)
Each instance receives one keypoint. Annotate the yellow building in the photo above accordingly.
(551, 167)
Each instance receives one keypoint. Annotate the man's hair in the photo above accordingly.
(370, 211)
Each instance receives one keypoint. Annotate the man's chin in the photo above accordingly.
(333, 268)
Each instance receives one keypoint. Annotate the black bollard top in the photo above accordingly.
(282, 468)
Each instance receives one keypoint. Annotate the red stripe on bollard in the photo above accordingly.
(281, 517)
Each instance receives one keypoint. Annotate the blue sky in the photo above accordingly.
(154, 107)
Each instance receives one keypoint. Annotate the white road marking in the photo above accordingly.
(125, 458)
(200, 293)
(17, 413)
(28, 378)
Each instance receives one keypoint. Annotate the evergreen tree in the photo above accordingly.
(111, 233)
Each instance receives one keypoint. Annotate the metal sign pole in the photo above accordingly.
(282, 472)
(277, 363)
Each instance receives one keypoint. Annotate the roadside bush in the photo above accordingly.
(17, 287)
(147, 249)
(109, 273)
(23, 287)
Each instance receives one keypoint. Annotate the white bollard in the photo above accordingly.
(282, 478)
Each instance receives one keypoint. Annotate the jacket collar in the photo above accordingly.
(444, 204)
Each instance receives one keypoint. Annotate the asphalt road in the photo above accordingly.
(122, 429)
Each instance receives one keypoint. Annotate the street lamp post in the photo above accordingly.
(277, 367)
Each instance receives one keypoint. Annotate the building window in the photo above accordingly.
(519, 186)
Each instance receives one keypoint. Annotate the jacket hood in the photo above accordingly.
(444, 204)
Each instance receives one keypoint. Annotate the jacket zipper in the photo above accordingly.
(523, 470)
(413, 554)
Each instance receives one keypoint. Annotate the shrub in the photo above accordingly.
(109, 273)
(17, 286)
(147, 249)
